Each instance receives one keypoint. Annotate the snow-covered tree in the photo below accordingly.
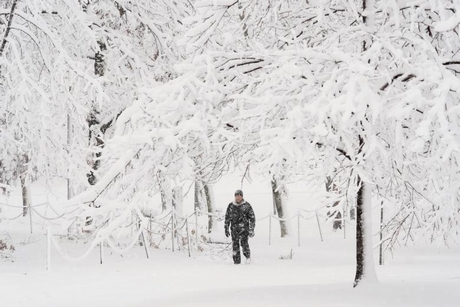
(68, 70)
(42, 81)
(365, 82)
(362, 91)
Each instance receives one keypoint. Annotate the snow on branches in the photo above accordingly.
(365, 92)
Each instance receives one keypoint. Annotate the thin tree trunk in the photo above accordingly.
(166, 196)
(359, 236)
(22, 169)
(164, 202)
(197, 196)
(210, 205)
(178, 200)
(96, 132)
(93, 161)
(277, 193)
(25, 196)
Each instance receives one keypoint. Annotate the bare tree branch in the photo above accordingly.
(406, 79)
(8, 28)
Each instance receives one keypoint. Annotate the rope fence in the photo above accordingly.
(185, 232)
(173, 224)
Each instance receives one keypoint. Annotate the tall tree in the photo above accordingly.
(325, 91)
(299, 90)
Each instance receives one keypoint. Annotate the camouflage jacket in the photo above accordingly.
(240, 217)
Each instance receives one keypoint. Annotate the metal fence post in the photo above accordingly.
(319, 226)
(101, 251)
(145, 243)
(30, 217)
(298, 227)
(188, 238)
(196, 228)
(381, 261)
(270, 229)
(48, 248)
(172, 229)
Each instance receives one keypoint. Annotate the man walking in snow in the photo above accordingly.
(242, 221)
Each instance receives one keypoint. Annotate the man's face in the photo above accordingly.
(238, 198)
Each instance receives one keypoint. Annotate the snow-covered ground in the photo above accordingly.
(320, 273)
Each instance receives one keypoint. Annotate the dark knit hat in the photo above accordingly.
(238, 192)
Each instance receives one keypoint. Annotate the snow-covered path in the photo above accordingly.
(318, 275)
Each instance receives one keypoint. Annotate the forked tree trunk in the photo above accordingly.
(277, 193)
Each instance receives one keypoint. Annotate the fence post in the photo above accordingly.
(381, 235)
(132, 224)
(298, 227)
(48, 248)
(150, 230)
(196, 228)
(270, 229)
(319, 227)
(30, 217)
(172, 229)
(145, 244)
(101, 251)
(188, 238)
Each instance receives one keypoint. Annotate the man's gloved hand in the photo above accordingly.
(251, 233)
(227, 232)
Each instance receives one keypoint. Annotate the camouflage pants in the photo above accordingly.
(240, 238)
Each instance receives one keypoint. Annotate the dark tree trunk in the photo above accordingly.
(360, 229)
(359, 235)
